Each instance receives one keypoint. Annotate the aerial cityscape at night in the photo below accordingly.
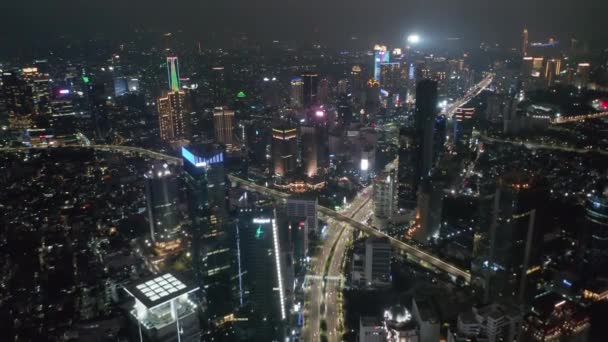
(266, 174)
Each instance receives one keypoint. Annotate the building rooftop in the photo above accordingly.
(159, 289)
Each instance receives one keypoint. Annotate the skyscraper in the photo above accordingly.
(429, 211)
(38, 82)
(314, 147)
(263, 261)
(323, 94)
(218, 86)
(524, 43)
(381, 55)
(213, 242)
(385, 195)
(377, 261)
(463, 126)
(296, 92)
(173, 73)
(426, 111)
(173, 116)
(406, 169)
(284, 149)
(552, 70)
(508, 256)
(17, 94)
(392, 77)
(310, 88)
(163, 214)
(223, 125)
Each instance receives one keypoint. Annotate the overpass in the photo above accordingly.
(576, 118)
(129, 150)
(473, 92)
(400, 245)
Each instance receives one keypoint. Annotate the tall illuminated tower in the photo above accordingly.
(311, 88)
(213, 243)
(173, 72)
(297, 92)
(223, 125)
(284, 149)
(173, 116)
(163, 215)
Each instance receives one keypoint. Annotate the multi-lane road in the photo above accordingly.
(321, 295)
(473, 92)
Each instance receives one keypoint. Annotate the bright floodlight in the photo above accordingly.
(413, 39)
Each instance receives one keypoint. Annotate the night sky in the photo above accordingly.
(334, 20)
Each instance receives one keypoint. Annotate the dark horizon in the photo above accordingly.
(331, 22)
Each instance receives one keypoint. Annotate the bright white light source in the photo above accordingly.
(413, 39)
(320, 113)
(364, 164)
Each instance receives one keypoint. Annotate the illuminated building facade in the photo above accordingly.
(263, 261)
(381, 55)
(304, 207)
(173, 116)
(163, 214)
(213, 242)
(296, 92)
(463, 126)
(385, 195)
(429, 211)
(284, 150)
(406, 170)
(596, 231)
(218, 86)
(553, 318)
(552, 70)
(18, 100)
(173, 73)
(164, 310)
(508, 257)
(582, 75)
(392, 77)
(223, 125)
(310, 88)
(313, 138)
(377, 262)
(39, 84)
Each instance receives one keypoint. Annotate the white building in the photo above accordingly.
(163, 310)
(385, 196)
(490, 323)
